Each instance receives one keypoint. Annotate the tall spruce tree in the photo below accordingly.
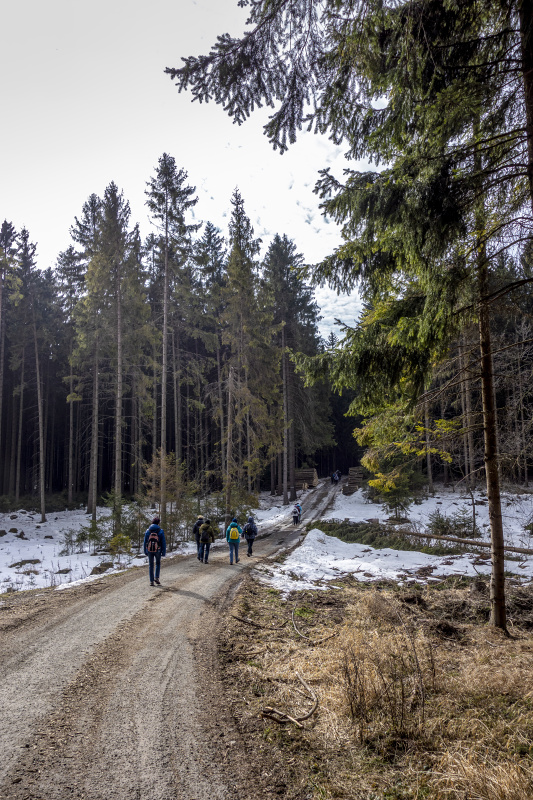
(456, 126)
(169, 199)
(9, 284)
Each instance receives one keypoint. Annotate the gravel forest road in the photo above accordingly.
(111, 689)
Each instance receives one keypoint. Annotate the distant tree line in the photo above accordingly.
(143, 366)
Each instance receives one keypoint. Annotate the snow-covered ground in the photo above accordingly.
(322, 558)
(30, 550)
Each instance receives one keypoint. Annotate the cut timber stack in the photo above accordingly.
(355, 479)
(304, 478)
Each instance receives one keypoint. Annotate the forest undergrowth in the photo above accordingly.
(371, 691)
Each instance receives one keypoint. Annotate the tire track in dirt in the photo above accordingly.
(116, 692)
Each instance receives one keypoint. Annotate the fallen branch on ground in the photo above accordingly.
(257, 625)
(311, 641)
(282, 718)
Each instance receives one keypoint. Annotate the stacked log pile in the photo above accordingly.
(355, 479)
(304, 478)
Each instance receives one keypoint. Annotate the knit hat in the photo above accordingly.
(156, 521)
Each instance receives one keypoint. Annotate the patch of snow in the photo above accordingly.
(321, 558)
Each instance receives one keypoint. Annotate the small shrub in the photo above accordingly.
(459, 524)
(120, 545)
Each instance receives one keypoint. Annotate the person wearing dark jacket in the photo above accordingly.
(250, 532)
(155, 550)
(196, 531)
(207, 537)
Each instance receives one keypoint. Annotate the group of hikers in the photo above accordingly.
(296, 514)
(205, 533)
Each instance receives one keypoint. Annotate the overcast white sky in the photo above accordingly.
(85, 101)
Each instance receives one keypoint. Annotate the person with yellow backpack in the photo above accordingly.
(233, 537)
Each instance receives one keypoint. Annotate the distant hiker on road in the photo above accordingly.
(196, 530)
(207, 536)
(233, 537)
(155, 546)
(295, 515)
(298, 506)
(250, 532)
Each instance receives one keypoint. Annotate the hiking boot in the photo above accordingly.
(237, 560)
(152, 583)
(158, 582)
(205, 562)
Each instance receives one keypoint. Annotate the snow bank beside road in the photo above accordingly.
(322, 558)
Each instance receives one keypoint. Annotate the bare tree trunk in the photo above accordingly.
(498, 616)
(285, 419)
(221, 411)
(428, 449)
(41, 424)
(229, 447)
(445, 465)
(292, 435)
(497, 587)
(155, 417)
(164, 372)
(2, 361)
(470, 430)
(93, 464)
(21, 419)
(522, 423)
(118, 405)
(248, 441)
(70, 478)
(525, 10)
(178, 401)
(464, 415)
(177, 429)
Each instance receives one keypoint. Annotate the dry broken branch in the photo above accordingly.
(257, 624)
(311, 641)
(282, 718)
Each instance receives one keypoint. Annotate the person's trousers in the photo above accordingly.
(250, 545)
(204, 549)
(233, 545)
(157, 558)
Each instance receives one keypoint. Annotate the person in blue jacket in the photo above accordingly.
(233, 537)
(155, 546)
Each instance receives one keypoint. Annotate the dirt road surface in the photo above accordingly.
(111, 689)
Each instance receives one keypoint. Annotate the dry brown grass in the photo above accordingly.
(416, 700)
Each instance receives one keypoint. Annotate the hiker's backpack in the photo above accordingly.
(152, 546)
(250, 530)
(204, 534)
(234, 532)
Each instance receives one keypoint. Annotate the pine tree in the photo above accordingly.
(169, 198)
(457, 130)
(9, 283)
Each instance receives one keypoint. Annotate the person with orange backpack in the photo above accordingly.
(155, 546)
